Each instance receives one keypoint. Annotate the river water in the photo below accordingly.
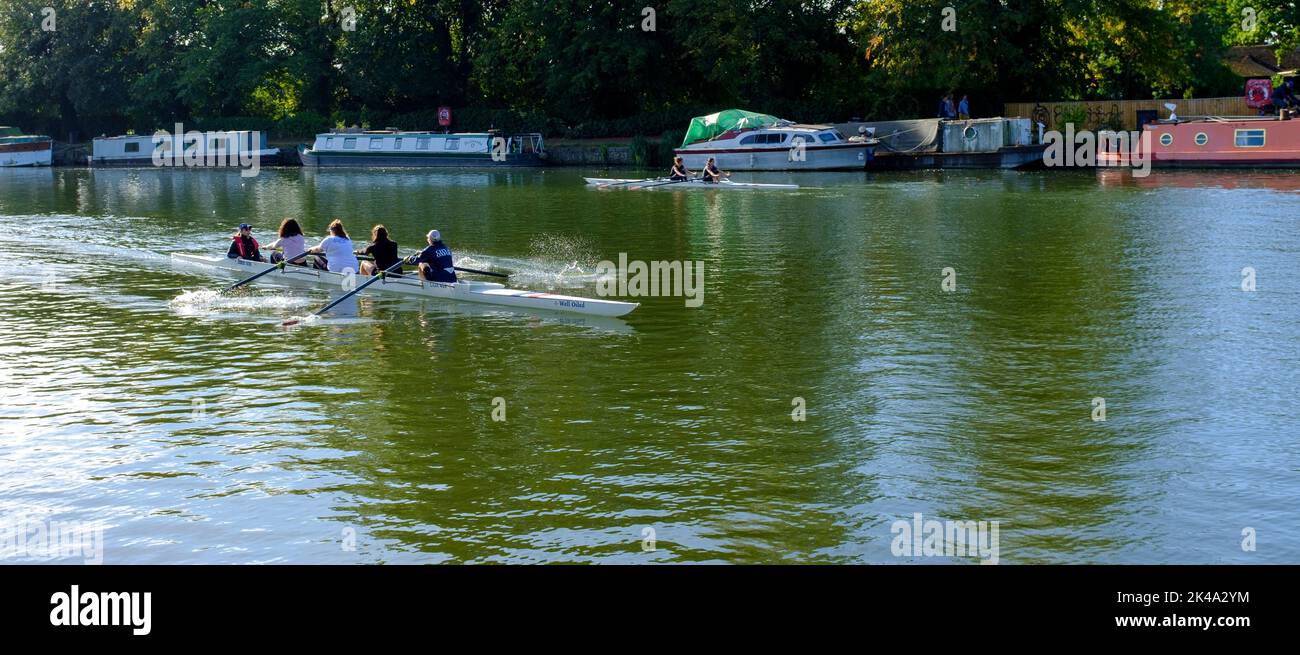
(196, 429)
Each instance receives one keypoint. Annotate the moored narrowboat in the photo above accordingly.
(183, 149)
(1217, 142)
(396, 148)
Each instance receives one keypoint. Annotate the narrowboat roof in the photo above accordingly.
(150, 136)
(13, 132)
(355, 132)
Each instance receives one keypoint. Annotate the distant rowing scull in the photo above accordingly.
(668, 185)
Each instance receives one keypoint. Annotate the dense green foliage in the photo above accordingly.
(582, 69)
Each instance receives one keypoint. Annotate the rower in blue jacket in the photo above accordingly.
(435, 261)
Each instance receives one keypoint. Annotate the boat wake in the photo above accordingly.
(206, 301)
(556, 261)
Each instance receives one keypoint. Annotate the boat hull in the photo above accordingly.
(476, 292)
(666, 185)
(269, 159)
(414, 160)
(26, 154)
(1008, 158)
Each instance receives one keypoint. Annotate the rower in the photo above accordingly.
(680, 172)
(384, 252)
(435, 261)
(243, 245)
(291, 241)
(337, 248)
(711, 174)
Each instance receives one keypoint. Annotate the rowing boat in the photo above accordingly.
(667, 184)
(489, 293)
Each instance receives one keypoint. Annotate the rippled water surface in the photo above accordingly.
(197, 430)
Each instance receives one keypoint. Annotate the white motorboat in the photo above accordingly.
(745, 141)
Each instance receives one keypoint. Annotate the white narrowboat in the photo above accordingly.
(395, 148)
(18, 149)
(184, 150)
(739, 140)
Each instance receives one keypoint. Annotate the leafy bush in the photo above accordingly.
(668, 141)
(1077, 115)
(639, 151)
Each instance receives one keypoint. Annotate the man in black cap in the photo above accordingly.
(243, 245)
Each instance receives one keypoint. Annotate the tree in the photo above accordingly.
(71, 78)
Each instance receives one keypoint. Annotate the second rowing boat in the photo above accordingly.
(669, 185)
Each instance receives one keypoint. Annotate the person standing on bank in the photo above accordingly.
(963, 108)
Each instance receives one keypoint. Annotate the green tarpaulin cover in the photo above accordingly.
(706, 127)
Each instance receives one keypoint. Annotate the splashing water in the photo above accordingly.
(200, 301)
(556, 261)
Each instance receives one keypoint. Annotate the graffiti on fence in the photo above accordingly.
(1095, 114)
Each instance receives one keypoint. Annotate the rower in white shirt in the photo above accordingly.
(338, 250)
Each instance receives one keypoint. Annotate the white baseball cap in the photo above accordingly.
(434, 235)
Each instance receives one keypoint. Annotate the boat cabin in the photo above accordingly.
(221, 147)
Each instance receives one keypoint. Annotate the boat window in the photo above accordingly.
(1250, 138)
(376, 143)
(422, 144)
(397, 143)
(776, 138)
(329, 143)
(350, 143)
(1201, 138)
(1166, 139)
(451, 144)
(827, 137)
(132, 147)
(806, 138)
(749, 140)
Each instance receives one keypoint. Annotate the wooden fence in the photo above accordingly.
(1101, 112)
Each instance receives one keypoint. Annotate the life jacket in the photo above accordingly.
(239, 245)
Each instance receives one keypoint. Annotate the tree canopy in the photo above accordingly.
(598, 68)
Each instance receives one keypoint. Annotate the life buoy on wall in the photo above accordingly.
(1259, 92)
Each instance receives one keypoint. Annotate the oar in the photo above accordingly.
(651, 186)
(467, 270)
(606, 186)
(377, 277)
(471, 270)
(278, 267)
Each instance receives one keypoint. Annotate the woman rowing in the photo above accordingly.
(679, 173)
(290, 241)
(435, 261)
(244, 246)
(337, 248)
(711, 174)
(382, 250)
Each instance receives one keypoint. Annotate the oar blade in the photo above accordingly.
(347, 295)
